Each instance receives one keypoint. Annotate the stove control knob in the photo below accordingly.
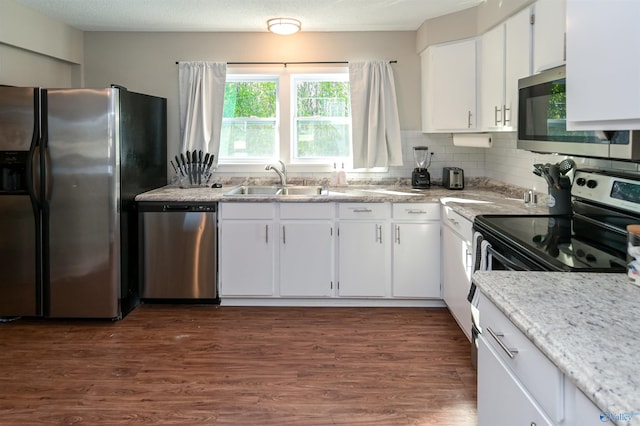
(581, 181)
(592, 183)
(591, 258)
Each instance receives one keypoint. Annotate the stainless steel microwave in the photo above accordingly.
(542, 123)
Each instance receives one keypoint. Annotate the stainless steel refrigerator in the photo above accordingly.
(71, 163)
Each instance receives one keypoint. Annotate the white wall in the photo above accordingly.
(38, 51)
(146, 62)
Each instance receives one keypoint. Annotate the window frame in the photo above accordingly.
(284, 120)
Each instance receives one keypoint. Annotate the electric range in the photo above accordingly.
(591, 239)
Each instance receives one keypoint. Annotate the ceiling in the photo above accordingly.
(245, 15)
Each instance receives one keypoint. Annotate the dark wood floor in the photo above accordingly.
(190, 365)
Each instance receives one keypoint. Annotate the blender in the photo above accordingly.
(420, 177)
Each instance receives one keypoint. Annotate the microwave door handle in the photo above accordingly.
(509, 264)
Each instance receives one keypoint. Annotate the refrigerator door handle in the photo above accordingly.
(45, 158)
(47, 176)
(33, 160)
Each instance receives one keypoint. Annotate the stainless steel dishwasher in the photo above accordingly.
(179, 251)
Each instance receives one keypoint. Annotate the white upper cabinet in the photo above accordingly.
(449, 87)
(492, 59)
(518, 62)
(549, 31)
(505, 57)
(603, 67)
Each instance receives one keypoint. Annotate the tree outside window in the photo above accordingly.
(249, 123)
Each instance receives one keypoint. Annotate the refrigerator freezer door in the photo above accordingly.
(20, 260)
(18, 114)
(81, 215)
(19, 294)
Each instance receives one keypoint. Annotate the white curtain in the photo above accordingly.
(374, 115)
(201, 104)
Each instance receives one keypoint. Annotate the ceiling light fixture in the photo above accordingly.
(283, 26)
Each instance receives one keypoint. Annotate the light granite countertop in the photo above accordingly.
(586, 324)
(486, 198)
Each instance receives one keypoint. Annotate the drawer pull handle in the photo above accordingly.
(454, 222)
(511, 352)
(362, 210)
(413, 211)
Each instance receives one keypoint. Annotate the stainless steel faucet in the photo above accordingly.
(282, 173)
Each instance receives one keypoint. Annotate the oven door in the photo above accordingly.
(508, 261)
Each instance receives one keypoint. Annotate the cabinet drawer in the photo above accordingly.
(535, 371)
(416, 211)
(364, 211)
(307, 210)
(460, 224)
(247, 211)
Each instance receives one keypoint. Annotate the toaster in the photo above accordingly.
(452, 178)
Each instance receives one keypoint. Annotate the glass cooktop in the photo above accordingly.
(564, 242)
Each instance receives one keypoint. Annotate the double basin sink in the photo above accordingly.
(270, 191)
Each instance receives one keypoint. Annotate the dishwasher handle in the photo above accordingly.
(177, 207)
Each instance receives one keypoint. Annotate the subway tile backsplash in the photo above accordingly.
(502, 162)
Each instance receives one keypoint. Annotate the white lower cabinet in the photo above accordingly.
(502, 399)
(517, 383)
(362, 253)
(580, 411)
(457, 266)
(247, 249)
(363, 249)
(415, 250)
(306, 250)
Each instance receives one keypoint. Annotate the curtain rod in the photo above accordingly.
(292, 63)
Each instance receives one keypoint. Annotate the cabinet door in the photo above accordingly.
(363, 259)
(247, 258)
(492, 78)
(549, 34)
(449, 87)
(457, 265)
(306, 258)
(416, 260)
(602, 65)
(502, 400)
(517, 64)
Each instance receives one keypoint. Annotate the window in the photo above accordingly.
(250, 119)
(298, 117)
(321, 118)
